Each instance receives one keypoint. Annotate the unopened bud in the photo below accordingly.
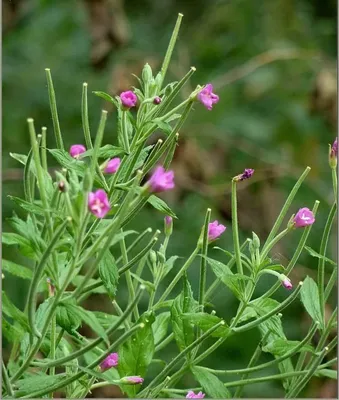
(157, 100)
(168, 225)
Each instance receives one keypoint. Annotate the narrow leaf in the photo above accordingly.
(212, 385)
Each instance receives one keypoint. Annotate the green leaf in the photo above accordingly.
(310, 299)
(22, 158)
(313, 253)
(108, 272)
(106, 320)
(182, 329)
(160, 205)
(9, 309)
(280, 347)
(164, 126)
(78, 281)
(223, 272)
(17, 270)
(106, 97)
(212, 385)
(38, 382)
(68, 162)
(30, 207)
(25, 246)
(160, 326)
(11, 332)
(107, 151)
(206, 321)
(327, 373)
(136, 354)
(68, 316)
(89, 318)
(168, 265)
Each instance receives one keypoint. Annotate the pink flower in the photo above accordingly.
(157, 100)
(215, 230)
(287, 283)
(334, 149)
(192, 395)
(98, 203)
(76, 150)
(132, 380)
(207, 98)
(304, 217)
(112, 166)
(128, 99)
(110, 361)
(248, 172)
(161, 180)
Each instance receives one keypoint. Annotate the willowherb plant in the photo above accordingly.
(75, 234)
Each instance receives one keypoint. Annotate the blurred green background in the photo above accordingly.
(272, 62)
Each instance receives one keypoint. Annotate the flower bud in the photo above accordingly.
(62, 187)
(132, 380)
(286, 282)
(110, 361)
(333, 154)
(153, 256)
(157, 100)
(304, 217)
(168, 225)
(147, 74)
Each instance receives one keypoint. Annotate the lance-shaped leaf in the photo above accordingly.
(206, 321)
(108, 272)
(310, 298)
(211, 385)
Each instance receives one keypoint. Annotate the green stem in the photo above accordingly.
(171, 151)
(164, 343)
(170, 49)
(43, 148)
(54, 110)
(281, 306)
(6, 380)
(321, 262)
(296, 254)
(309, 373)
(179, 275)
(37, 275)
(78, 375)
(84, 117)
(124, 132)
(273, 242)
(335, 183)
(169, 367)
(236, 244)
(254, 359)
(286, 207)
(202, 283)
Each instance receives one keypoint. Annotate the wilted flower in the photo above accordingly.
(128, 99)
(304, 217)
(132, 380)
(192, 395)
(207, 97)
(112, 166)
(157, 100)
(248, 172)
(161, 180)
(215, 230)
(76, 149)
(98, 203)
(110, 361)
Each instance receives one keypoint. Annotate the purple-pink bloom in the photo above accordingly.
(132, 380)
(98, 203)
(192, 395)
(112, 166)
(207, 97)
(76, 149)
(287, 283)
(128, 99)
(215, 230)
(304, 217)
(161, 180)
(110, 361)
(157, 100)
